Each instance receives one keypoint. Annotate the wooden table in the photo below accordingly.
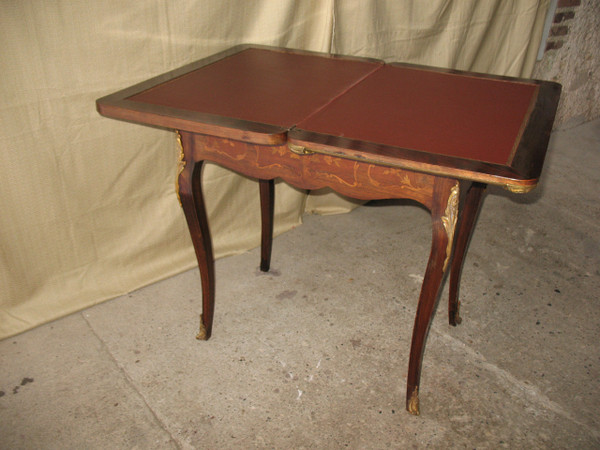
(366, 129)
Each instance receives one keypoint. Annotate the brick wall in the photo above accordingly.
(563, 18)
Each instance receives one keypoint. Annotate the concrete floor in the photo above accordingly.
(315, 353)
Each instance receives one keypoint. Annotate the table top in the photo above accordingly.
(466, 125)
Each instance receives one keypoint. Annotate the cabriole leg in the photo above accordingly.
(192, 201)
(444, 213)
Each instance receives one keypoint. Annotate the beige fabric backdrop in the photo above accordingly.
(87, 204)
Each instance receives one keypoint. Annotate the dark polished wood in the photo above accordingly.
(366, 129)
(267, 211)
(467, 217)
(192, 201)
(436, 267)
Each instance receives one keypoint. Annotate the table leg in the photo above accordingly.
(444, 212)
(267, 206)
(466, 225)
(192, 201)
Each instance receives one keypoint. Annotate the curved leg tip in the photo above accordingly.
(202, 333)
(455, 320)
(454, 314)
(265, 266)
(412, 403)
(201, 336)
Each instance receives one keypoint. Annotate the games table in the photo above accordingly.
(364, 128)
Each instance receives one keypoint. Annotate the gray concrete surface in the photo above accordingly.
(315, 353)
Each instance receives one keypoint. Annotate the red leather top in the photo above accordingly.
(473, 126)
(416, 108)
(273, 87)
(431, 111)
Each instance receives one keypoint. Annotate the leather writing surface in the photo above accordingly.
(272, 87)
(472, 126)
(437, 112)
